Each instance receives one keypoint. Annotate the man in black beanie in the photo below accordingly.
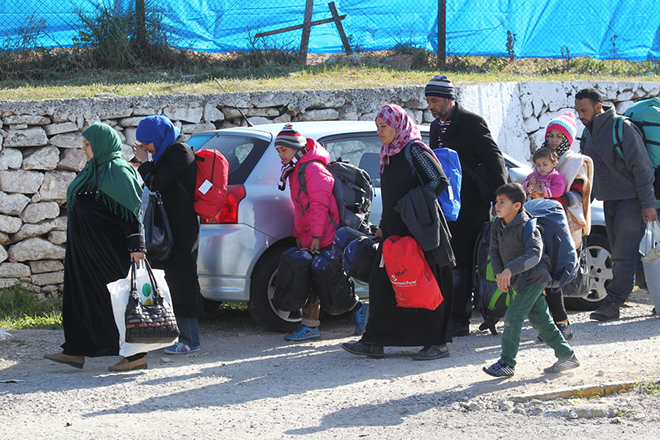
(483, 172)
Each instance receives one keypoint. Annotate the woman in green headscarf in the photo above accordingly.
(103, 237)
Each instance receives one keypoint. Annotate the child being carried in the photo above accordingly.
(545, 182)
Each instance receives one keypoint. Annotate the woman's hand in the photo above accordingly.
(137, 256)
(139, 151)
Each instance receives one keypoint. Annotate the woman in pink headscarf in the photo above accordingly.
(390, 325)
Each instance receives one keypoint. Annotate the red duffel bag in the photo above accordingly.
(410, 274)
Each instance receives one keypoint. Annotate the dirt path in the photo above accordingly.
(249, 383)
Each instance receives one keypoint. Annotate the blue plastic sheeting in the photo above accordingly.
(621, 29)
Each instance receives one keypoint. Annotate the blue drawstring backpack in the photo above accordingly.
(450, 199)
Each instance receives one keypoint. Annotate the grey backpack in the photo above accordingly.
(353, 191)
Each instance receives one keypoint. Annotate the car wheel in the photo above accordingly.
(599, 260)
(262, 289)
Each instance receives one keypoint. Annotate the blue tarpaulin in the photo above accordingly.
(619, 29)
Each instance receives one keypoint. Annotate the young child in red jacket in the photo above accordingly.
(313, 226)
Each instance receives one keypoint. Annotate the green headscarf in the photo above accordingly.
(108, 172)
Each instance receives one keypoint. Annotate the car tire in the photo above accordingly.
(599, 259)
(262, 289)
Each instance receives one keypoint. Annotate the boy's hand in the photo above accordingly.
(504, 280)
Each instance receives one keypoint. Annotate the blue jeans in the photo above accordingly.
(625, 229)
(189, 328)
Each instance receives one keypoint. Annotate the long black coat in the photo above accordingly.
(469, 135)
(390, 325)
(175, 176)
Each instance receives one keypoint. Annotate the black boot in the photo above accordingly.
(607, 311)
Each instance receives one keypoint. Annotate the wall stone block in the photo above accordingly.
(55, 184)
(21, 181)
(36, 212)
(31, 137)
(57, 237)
(73, 160)
(13, 204)
(14, 270)
(35, 249)
(42, 159)
(27, 120)
(65, 127)
(46, 266)
(70, 140)
(10, 158)
(44, 279)
(10, 224)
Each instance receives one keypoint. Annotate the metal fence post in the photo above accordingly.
(141, 24)
(442, 32)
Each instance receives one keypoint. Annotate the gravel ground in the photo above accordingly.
(249, 383)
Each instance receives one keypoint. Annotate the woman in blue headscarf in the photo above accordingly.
(173, 172)
(103, 236)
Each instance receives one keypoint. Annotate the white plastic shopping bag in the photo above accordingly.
(119, 292)
(651, 261)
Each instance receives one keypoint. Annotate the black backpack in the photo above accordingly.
(358, 258)
(294, 280)
(490, 301)
(343, 237)
(353, 191)
(335, 290)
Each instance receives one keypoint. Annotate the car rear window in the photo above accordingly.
(241, 151)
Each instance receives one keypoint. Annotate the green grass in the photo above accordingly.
(279, 70)
(22, 309)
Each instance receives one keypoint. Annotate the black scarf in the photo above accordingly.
(561, 149)
(287, 168)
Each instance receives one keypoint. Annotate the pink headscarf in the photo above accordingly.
(406, 131)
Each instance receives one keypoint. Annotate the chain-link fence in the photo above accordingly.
(627, 29)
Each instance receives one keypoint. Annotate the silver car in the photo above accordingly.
(240, 249)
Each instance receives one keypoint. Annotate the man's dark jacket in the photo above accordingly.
(469, 135)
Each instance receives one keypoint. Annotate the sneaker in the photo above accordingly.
(500, 369)
(607, 311)
(566, 331)
(360, 317)
(303, 333)
(561, 366)
(181, 348)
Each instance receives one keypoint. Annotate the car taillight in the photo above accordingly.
(229, 213)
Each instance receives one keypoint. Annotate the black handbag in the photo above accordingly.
(157, 233)
(153, 323)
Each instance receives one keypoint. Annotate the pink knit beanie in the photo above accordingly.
(565, 124)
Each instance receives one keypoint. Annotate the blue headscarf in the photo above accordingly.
(157, 130)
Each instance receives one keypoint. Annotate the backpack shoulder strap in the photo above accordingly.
(617, 133)
(529, 228)
(407, 151)
(302, 183)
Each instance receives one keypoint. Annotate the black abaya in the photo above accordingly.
(98, 249)
(388, 324)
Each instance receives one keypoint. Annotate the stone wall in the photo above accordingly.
(41, 144)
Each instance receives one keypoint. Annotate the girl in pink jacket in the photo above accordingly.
(316, 213)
